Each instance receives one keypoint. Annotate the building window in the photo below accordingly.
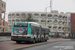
(63, 22)
(36, 15)
(13, 20)
(43, 15)
(22, 20)
(59, 27)
(55, 16)
(17, 20)
(68, 23)
(9, 15)
(10, 26)
(13, 15)
(60, 22)
(6, 29)
(42, 20)
(54, 27)
(2, 5)
(60, 17)
(36, 21)
(63, 17)
(9, 21)
(18, 15)
(49, 21)
(29, 14)
(66, 18)
(49, 15)
(49, 26)
(55, 21)
(23, 15)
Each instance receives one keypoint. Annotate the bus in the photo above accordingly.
(29, 32)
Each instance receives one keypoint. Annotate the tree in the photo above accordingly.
(29, 18)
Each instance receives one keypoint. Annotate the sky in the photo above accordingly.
(39, 6)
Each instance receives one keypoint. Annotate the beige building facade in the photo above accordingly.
(2, 11)
(55, 21)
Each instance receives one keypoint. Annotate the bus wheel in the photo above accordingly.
(45, 40)
(33, 41)
(18, 42)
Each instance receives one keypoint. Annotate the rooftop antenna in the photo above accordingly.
(50, 5)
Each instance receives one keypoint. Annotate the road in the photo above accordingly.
(8, 45)
(64, 45)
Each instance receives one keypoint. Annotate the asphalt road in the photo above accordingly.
(64, 45)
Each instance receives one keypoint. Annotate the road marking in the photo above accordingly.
(59, 49)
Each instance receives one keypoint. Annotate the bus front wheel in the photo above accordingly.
(45, 40)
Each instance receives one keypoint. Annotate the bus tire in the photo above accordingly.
(45, 40)
(42, 39)
(18, 42)
(33, 41)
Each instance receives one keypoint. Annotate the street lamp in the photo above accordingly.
(46, 14)
(4, 21)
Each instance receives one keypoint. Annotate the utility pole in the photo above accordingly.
(50, 5)
(46, 14)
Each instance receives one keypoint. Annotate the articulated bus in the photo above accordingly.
(29, 32)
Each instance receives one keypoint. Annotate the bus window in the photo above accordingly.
(20, 31)
(32, 30)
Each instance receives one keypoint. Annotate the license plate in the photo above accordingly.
(19, 36)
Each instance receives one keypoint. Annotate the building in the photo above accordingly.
(73, 24)
(2, 11)
(6, 26)
(69, 21)
(56, 22)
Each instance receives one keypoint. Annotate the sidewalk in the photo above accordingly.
(4, 36)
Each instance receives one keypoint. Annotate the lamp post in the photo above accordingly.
(4, 21)
(46, 14)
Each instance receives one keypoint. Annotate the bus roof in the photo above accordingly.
(28, 22)
(33, 23)
(20, 22)
(45, 27)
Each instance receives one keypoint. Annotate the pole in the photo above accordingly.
(45, 17)
(50, 5)
(46, 14)
(4, 22)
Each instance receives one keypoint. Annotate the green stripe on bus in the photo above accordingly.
(13, 27)
(29, 29)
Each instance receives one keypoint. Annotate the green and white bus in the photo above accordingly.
(29, 32)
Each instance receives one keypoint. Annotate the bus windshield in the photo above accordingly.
(20, 31)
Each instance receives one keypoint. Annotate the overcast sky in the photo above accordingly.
(39, 5)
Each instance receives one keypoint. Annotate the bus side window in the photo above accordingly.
(32, 30)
